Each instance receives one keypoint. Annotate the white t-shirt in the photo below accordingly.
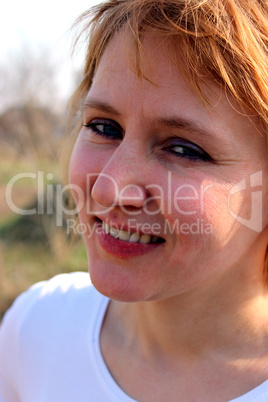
(49, 346)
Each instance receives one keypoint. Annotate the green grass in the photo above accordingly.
(10, 166)
(24, 264)
(27, 253)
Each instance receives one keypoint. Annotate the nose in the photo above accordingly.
(122, 180)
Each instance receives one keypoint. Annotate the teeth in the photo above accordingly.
(123, 235)
(145, 238)
(134, 238)
(127, 236)
(114, 232)
(106, 227)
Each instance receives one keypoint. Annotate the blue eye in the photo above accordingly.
(189, 151)
(108, 129)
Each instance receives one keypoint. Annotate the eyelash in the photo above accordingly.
(189, 151)
(95, 123)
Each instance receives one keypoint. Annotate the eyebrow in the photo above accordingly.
(170, 122)
(187, 125)
(96, 104)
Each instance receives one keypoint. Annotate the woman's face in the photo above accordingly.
(152, 159)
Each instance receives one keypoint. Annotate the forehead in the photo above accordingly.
(161, 82)
(164, 89)
(151, 63)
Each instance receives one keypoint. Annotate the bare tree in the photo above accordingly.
(31, 131)
(31, 124)
(29, 77)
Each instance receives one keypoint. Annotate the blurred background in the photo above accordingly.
(37, 76)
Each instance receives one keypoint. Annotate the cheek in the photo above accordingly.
(82, 162)
(197, 209)
(82, 165)
(216, 212)
(231, 215)
(85, 166)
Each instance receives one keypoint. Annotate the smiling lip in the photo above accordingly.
(121, 248)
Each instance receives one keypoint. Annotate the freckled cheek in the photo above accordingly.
(185, 202)
(215, 209)
(198, 208)
(221, 208)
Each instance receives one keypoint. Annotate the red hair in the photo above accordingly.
(226, 40)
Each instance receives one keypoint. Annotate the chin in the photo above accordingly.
(117, 284)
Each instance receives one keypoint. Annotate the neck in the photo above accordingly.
(226, 318)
